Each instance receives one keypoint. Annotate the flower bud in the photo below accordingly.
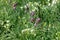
(14, 5)
(37, 20)
(32, 19)
(32, 13)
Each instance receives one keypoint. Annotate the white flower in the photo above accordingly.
(54, 2)
(32, 30)
(7, 21)
(32, 5)
(25, 30)
(21, 7)
(49, 4)
(7, 24)
(48, 0)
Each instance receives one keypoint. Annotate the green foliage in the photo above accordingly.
(15, 20)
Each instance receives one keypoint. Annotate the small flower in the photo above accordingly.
(25, 30)
(35, 24)
(14, 5)
(32, 13)
(7, 24)
(32, 19)
(14, 8)
(32, 30)
(26, 7)
(37, 20)
(7, 21)
(34, 34)
(21, 7)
